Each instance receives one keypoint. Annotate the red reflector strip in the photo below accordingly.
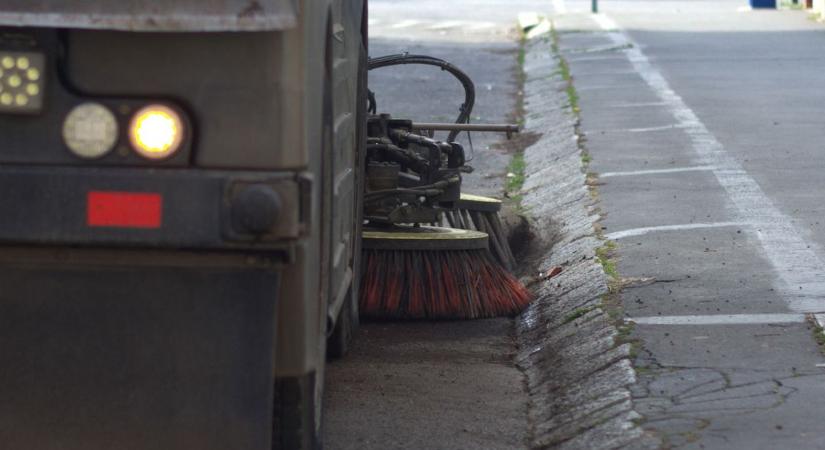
(123, 209)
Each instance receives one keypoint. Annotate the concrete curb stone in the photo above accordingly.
(578, 378)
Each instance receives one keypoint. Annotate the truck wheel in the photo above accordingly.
(347, 322)
(294, 424)
(339, 341)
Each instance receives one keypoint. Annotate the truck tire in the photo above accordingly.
(347, 322)
(294, 424)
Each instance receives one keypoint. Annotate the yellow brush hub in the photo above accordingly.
(423, 238)
(473, 202)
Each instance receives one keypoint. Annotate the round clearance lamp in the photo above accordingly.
(90, 130)
(156, 132)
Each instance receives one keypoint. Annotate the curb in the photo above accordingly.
(577, 376)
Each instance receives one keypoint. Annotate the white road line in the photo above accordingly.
(637, 130)
(688, 226)
(573, 59)
(656, 171)
(446, 24)
(611, 73)
(720, 319)
(648, 129)
(597, 87)
(481, 25)
(559, 7)
(801, 272)
(636, 105)
(405, 24)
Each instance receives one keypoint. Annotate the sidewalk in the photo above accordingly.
(705, 150)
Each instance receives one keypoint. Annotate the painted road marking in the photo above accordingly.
(719, 319)
(636, 105)
(649, 129)
(688, 226)
(573, 58)
(405, 24)
(481, 25)
(801, 272)
(608, 73)
(447, 24)
(559, 7)
(656, 171)
(606, 86)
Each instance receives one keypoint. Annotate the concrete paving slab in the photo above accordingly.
(767, 346)
(710, 271)
(621, 152)
(617, 123)
(669, 199)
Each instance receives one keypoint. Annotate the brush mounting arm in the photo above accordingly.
(508, 128)
(411, 178)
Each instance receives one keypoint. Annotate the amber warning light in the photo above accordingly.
(124, 209)
(156, 132)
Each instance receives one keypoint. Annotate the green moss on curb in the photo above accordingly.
(579, 313)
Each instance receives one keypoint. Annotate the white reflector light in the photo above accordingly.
(156, 131)
(21, 82)
(90, 130)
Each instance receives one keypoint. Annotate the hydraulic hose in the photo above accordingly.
(405, 58)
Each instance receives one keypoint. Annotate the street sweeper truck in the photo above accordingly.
(178, 219)
(184, 185)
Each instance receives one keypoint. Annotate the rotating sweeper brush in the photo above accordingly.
(435, 273)
(421, 272)
(474, 212)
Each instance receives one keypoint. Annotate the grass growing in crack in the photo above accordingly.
(604, 255)
(818, 333)
(516, 169)
(564, 71)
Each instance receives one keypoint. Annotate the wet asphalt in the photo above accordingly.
(444, 384)
(707, 123)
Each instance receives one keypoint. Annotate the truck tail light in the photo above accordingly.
(156, 132)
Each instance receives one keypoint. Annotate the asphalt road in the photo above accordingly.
(445, 384)
(705, 121)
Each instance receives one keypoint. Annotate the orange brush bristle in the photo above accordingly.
(438, 284)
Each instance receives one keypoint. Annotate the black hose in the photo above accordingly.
(469, 88)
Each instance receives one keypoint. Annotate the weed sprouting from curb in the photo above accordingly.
(516, 174)
(604, 255)
(818, 333)
(564, 71)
